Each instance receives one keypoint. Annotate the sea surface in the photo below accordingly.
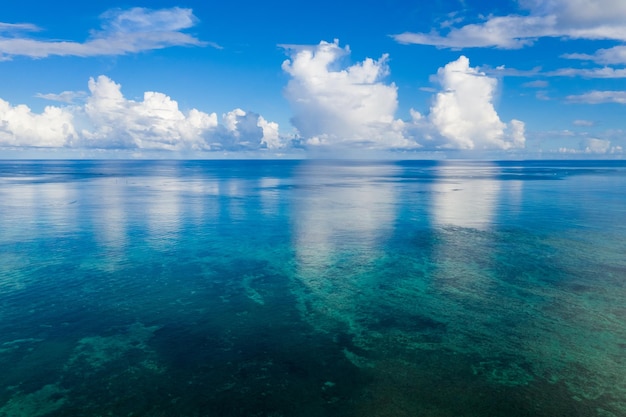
(312, 288)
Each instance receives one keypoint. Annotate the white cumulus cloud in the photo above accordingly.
(108, 120)
(351, 105)
(241, 130)
(332, 104)
(154, 123)
(336, 105)
(19, 126)
(463, 115)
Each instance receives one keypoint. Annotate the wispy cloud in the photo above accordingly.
(599, 19)
(536, 84)
(583, 123)
(604, 72)
(12, 28)
(122, 32)
(597, 97)
(64, 97)
(506, 32)
(610, 56)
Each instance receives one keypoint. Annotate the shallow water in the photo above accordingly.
(309, 288)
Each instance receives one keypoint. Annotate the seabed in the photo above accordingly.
(302, 288)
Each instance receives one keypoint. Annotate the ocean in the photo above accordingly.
(313, 288)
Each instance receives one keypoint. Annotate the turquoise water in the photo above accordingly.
(303, 288)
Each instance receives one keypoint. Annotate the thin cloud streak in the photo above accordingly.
(68, 97)
(593, 20)
(598, 97)
(122, 32)
(591, 73)
(18, 27)
(609, 56)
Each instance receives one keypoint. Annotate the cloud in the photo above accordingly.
(463, 115)
(154, 123)
(241, 130)
(605, 72)
(542, 95)
(536, 84)
(352, 106)
(594, 145)
(271, 137)
(108, 120)
(19, 126)
(580, 142)
(610, 56)
(18, 27)
(507, 32)
(332, 104)
(122, 32)
(575, 19)
(64, 97)
(591, 73)
(597, 97)
(337, 106)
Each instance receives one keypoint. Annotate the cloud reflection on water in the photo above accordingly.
(463, 201)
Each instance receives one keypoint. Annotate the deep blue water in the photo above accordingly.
(312, 288)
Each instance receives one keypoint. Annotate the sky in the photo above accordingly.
(514, 79)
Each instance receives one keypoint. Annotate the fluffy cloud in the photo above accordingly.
(576, 19)
(19, 126)
(241, 130)
(154, 123)
(333, 105)
(463, 115)
(108, 120)
(122, 32)
(352, 105)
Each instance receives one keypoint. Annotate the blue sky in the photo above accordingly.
(447, 78)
